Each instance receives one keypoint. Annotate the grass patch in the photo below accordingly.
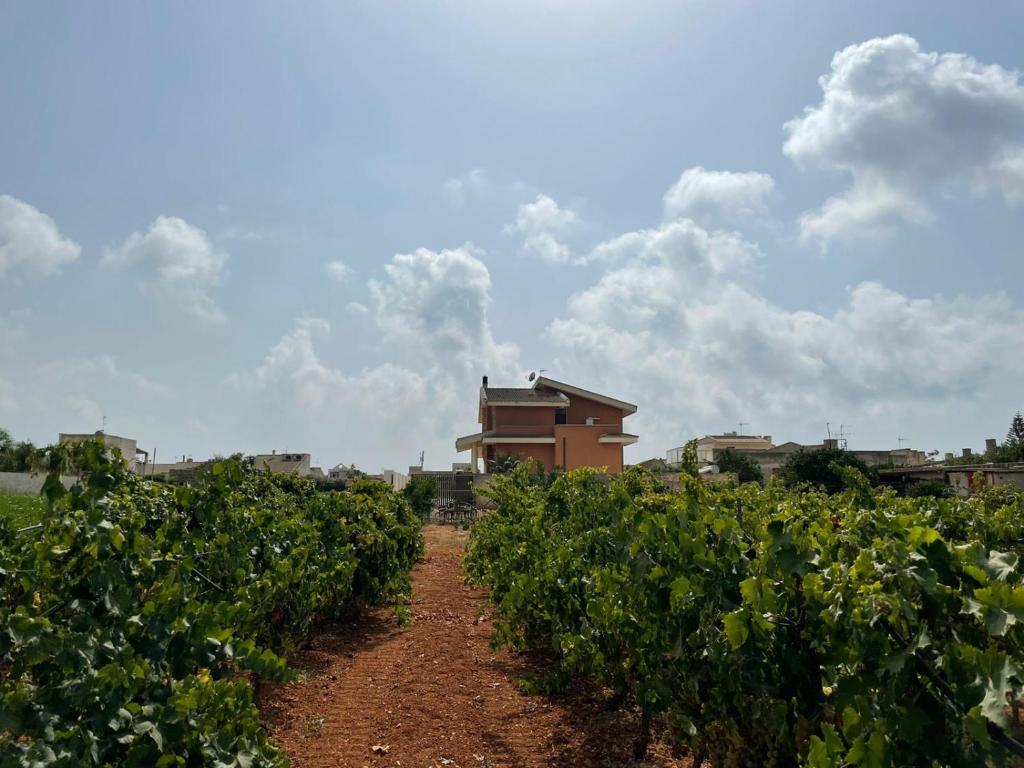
(21, 510)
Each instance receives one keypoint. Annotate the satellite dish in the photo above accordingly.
(533, 375)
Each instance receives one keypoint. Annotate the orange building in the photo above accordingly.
(555, 424)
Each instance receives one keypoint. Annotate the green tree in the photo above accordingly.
(420, 492)
(688, 464)
(1012, 448)
(822, 468)
(740, 464)
(18, 457)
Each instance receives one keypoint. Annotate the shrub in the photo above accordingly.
(771, 626)
(131, 614)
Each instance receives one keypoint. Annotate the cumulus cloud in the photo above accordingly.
(186, 264)
(905, 124)
(393, 411)
(436, 303)
(431, 311)
(338, 270)
(544, 225)
(676, 323)
(714, 198)
(30, 241)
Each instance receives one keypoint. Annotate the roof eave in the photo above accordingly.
(627, 408)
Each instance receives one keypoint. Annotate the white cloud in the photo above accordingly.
(356, 309)
(30, 240)
(906, 124)
(543, 225)
(436, 303)
(186, 264)
(390, 409)
(674, 323)
(430, 309)
(713, 198)
(338, 270)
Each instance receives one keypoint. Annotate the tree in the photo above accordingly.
(821, 468)
(688, 462)
(1015, 438)
(18, 457)
(420, 492)
(746, 469)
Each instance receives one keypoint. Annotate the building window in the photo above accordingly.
(560, 416)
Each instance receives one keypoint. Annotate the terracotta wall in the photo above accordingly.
(577, 446)
(511, 415)
(608, 417)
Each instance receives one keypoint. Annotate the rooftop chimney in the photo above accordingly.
(949, 456)
(965, 452)
(990, 444)
(484, 384)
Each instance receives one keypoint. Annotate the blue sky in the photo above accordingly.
(785, 215)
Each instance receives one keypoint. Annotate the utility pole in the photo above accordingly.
(900, 440)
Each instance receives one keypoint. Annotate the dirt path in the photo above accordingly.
(434, 693)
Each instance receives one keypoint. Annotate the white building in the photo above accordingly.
(285, 463)
(126, 446)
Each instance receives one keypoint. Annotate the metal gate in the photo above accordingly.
(454, 500)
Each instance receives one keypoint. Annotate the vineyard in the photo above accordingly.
(138, 617)
(768, 626)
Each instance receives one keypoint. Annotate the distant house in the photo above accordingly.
(555, 424)
(396, 480)
(771, 457)
(128, 447)
(962, 478)
(711, 447)
(183, 472)
(285, 463)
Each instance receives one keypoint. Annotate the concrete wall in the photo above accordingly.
(397, 480)
(28, 483)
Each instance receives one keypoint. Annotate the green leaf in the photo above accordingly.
(737, 628)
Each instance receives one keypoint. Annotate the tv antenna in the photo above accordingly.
(742, 425)
(421, 459)
(900, 439)
(845, 431)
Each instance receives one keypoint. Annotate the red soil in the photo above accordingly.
(435, 694)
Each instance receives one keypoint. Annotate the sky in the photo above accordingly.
(248, 226)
